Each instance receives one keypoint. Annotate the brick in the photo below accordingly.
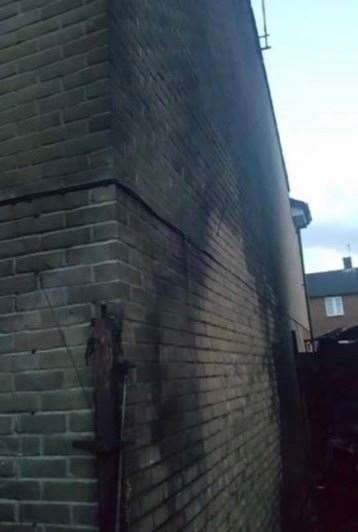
(67, 99)
(40, 381)
(38, 60)
(31, 445)
(39, 262)
(6, 363)
(20, 490)
(17, 82)
(41, 224)
(19, 402)
(98, 56)
(6, 343)
(7, 70)
(18, 113)
(66, 316)
(42, 468)
(23, 209)
(18, 22)
(8, 11)
(82, 422)
(96, 253)
(98, 88)
(17, 322)
(6, 267)
(60, 445)
(38, 91)
(10, 446)
(24, 362)
(8, 131)
(17, 284)
(100, 122)
(45, 513)
(61, 6)
(62, 68)
(104, 194)
(85, 515)
(41, 423)
(65, 400)
(97, 23)
(27, 5)
(39, 123)
(20, 246)
(85, 76)
(67, 277)
(37, 28)
(101, 159)
(97, 292)
(83, 468)
(40, 155)
(88, 143)
(72, 490)
(65, 239)
(117, 270)
(7, 468)
(91, 215)
(7, 511)
(40, 299)
(6, 382)
(106, 231)
(5, 425)
(58, 359)
(64, 167)
(81, 13)
(82, 45)
(77, 335)
(17, 528)
(86, 110)
(29, 341)
(68, 529)
(59, 37)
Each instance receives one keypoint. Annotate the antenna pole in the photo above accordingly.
(265, 35)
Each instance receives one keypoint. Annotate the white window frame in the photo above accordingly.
(334, 306)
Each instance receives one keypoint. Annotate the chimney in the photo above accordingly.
(347, 263)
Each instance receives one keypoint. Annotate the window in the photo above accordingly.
(334, 306)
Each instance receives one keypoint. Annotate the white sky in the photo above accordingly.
(313, 73)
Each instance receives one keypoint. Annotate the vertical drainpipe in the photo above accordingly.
(306, 289)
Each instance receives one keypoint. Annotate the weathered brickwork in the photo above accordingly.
(183, 235)
(50, 281)
(54, 102)
(203, 407)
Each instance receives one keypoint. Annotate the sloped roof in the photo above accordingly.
(334, 283)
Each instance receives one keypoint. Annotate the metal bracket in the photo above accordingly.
(110, 374)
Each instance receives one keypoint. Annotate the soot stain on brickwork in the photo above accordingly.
(177, 452)
(185, 153)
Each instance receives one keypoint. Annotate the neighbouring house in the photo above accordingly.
(141, 169)
(333, 298)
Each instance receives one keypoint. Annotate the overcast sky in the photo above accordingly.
(313, 73)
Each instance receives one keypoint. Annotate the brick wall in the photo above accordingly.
(54, 103)
(64, 244)
(185, 240)
(202, 412)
